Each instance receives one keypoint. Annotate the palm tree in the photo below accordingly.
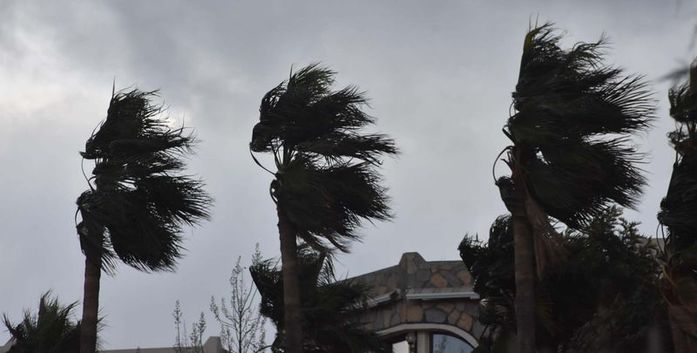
(679, 215)
(50, 331)
(569, 156)
(137, 203)
(325, 182)
(329, 307)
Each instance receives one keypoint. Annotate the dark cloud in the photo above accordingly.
(439, 75)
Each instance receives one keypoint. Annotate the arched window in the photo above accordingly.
(445, 343)
(428, 338)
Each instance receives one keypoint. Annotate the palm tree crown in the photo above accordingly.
(573, 115)
(138, 203)
(324, 183)
(51, 330)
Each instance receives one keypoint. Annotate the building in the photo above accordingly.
(212, 345)
(423, 306)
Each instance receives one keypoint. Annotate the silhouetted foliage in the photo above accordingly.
(137, 198)
(51, 330)
(325, 181)
(679, 216)
(572, 118)
(329, 307)
(605, 297)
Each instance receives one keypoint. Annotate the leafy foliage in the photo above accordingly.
(325, 181)
(605, 297)
(679, 207)
(137, 202)
(679, 211)
(49, 331)
(241, 324)
(328, 306)
(572, 117)
(492, 267)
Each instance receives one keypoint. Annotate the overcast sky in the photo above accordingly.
(439, 75)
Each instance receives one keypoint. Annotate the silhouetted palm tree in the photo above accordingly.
(50, 331)
(679, 215)
(324, 183)
(569, 157)
(329, 307)
(137, 202)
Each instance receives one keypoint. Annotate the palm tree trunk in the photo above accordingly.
(680, 343)
(292, 319)
(524, 265)
(90, 305)
(525, 284)
(680, 318)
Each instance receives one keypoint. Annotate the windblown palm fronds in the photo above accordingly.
(325, 181)
(137, 198)
(572, 124)
(51, 330)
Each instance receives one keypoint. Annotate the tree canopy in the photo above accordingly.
(604, 297)
(329, 307)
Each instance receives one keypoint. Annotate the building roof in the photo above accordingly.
(420, 295)
(416, 278)
(212, 345)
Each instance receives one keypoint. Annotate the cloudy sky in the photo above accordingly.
(439, 74)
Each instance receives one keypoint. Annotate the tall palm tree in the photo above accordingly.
(51, 330)
(137, 203)
(325, 182)
(569, 158)
(679, 215)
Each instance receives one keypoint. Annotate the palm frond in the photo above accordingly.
(50, 330)
(326, 183)
(573, 116)
(141, 201)
(575, 181)
(329, 202)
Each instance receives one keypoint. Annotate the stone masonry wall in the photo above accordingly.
(415, 275)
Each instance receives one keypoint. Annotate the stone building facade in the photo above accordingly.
(419, 301)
